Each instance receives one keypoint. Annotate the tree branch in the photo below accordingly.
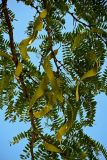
(32, 134)
(15, 60)
(10, 31)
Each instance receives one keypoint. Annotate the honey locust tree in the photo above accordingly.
(58, 94)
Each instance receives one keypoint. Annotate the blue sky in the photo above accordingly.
(8, 130)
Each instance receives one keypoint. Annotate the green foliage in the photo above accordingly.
(54, 94)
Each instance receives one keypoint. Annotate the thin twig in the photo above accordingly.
(86, 25)
(50, 38)
(35, 7)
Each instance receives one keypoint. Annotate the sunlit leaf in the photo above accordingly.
(52, 148)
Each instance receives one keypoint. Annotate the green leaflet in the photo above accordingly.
(18, 69)
(92, 57)
(77, 40)
(38, 92)
(98, 30)
(52, 148)
(5, 55)
(47, 108)
(83, 155)
(4, 82)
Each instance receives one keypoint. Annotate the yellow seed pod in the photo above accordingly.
(44, 111)
(5, 55)
(39, 26)
(18, 69)
(39, 92)
(48, 70)
(62, 131)
(43, 13)
(47, 108)
(25, 42)
(92, 72)
(66, 127)
(23, 50)
(52, 148)
(77, 92)
(23, 47)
